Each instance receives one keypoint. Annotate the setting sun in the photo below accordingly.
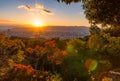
(38, 23)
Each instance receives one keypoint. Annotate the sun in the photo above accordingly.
(37, 23)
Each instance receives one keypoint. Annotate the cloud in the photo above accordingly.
(26, 7)
(39, 8)
(46, 12)
(6, 22)
(37, 5)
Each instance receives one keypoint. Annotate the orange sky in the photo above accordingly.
(47, 13)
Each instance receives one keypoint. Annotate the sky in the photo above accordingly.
(47, 12)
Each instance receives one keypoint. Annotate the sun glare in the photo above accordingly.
(37, 23)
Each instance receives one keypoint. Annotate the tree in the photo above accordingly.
(68, 1)
(94, 30)
(105, 12)
(112, 50)
(72, 67)
(112, 31)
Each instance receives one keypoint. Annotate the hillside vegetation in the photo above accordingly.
(34, 59)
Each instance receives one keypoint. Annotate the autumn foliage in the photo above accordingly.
(58, 60)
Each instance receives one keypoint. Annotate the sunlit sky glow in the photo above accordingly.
(49, 12)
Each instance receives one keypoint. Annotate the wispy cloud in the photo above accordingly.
(46, 12)
(26, 7)
(5, 22)
(37, 5)
(38, 8)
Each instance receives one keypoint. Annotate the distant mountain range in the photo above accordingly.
(64, 32)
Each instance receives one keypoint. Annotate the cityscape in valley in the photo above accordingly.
(62, 32)
(59, 40)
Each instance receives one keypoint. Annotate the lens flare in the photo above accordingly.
(91, 64)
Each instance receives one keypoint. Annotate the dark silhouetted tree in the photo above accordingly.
(105, 12)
